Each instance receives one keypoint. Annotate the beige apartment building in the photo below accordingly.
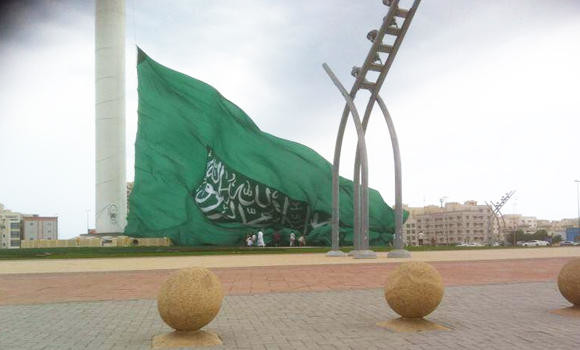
(471, 223)
(557, 227)
(39, 227)
(514, 222)
(15, 227)
(530, 224)
(452, 224)
(9, 228)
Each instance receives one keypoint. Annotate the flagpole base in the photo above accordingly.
(364, 254)
(399, 254)
(335, 253)
(353, 252)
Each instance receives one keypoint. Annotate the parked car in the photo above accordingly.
(568, 243)
(469, 245)
(535, 243)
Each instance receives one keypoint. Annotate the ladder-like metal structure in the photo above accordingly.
(363, 81)
(495, 209)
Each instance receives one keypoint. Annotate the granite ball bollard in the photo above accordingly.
(190, 299)
(569, 282)
(414, 289)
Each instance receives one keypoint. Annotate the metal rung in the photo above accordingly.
(393, 31)
(376, 67)
(367, 85)
(402, 13)
(385, 48)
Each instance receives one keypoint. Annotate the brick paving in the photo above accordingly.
(489, 304)
(124, 285)
(493, 316)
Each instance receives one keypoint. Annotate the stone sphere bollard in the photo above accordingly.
(190, 299)
(569, 282)
(414, 289)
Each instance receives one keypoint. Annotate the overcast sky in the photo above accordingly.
(484, 94)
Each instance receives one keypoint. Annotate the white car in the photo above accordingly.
(469, 245)
(535, 243)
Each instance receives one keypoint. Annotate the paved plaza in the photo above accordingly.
(488, 304)
(505, 316)
(256, 260)
(125, 285)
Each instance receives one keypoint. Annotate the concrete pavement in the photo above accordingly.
(253, 260)
(509, 316)
(122, 285)
(298, 301)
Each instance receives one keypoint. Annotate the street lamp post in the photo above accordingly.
(578, 198)
(443, 222)
(88, 211)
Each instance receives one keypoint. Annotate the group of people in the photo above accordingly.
(301, 240)
(258, 239)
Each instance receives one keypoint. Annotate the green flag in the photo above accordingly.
(205, 174)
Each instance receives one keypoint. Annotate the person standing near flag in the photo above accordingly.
(292, 238)
(276, 238)
(261, 239)
(302, 241)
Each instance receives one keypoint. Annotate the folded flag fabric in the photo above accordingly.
(205, 174)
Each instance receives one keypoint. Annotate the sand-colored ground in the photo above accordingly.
(221, 261)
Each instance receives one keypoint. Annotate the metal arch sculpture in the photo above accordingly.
(495, 209)
(361, 146)
(360, 205)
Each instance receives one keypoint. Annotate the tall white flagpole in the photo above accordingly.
(111, 196)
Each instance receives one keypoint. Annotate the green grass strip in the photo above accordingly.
(129, 252)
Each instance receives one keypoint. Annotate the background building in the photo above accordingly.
(39, 227)
(15, 227)
(514, 222)
(552, 227)
(472, 223)
(555, 227)
(573, 234)
(9, 228)
(452, 224)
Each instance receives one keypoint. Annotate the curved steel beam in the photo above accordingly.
(363, 245)
(356, 181)
(361, 219)
(351, 108)
(398, 242)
